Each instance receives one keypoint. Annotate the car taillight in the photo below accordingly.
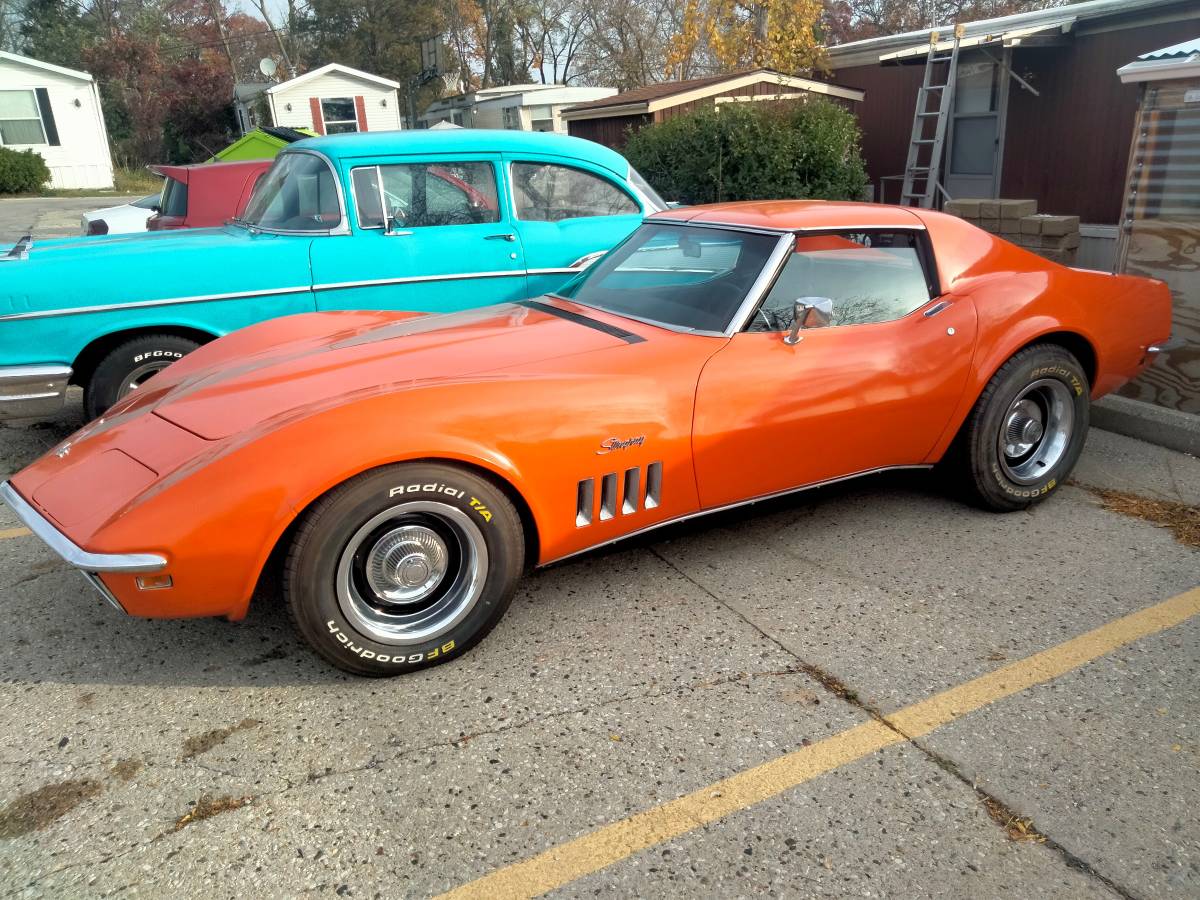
(97, 226)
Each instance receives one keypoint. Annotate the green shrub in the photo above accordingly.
(22, 172)
(804, 149)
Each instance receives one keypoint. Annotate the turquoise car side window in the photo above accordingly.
(546, 192)
(421, 195)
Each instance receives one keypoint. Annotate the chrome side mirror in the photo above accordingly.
(809, 312)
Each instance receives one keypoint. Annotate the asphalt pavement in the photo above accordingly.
(46, 217)
(869, 690)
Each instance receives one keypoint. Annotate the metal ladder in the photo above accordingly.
(927, 173)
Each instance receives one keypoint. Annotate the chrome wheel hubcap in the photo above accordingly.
(1036, 431)
(140, 376)
(406, 564)
(412, 572)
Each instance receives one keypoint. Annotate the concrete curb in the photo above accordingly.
(1156, 424)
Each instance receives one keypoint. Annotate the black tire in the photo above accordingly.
(999, 464)
(381, 532)
(135, 360)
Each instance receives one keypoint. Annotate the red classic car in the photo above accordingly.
(206, 194)
(402, 470)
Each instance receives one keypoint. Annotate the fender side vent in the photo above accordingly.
(653, 485)
(632, 495)
(608, 496)
(585, 499)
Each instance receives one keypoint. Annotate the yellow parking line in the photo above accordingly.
(612, 843)
(13, 533)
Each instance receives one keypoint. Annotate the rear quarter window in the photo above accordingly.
(174, 198)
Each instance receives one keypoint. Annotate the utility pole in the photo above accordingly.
(219, 19)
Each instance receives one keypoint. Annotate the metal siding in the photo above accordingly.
(611, 131)
(1069, 148)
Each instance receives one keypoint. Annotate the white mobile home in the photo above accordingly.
(330, 100)
(56, 113)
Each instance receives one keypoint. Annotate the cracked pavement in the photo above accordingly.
(201, 758)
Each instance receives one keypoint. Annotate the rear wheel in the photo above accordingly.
(1027, 429)
(131, 365)
(403, 568)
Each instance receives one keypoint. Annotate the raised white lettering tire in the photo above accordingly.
(403, 567)
(1028, 427)
(129, 366)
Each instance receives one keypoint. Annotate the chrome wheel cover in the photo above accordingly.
(140, 376)
(1036, 431)
(412, 572)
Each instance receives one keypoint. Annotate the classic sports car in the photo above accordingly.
(403, 469)
(431, 221)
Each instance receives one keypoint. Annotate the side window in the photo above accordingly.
(874, 276)
(545, 192)
(420, 195)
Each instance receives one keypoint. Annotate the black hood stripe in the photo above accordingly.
(627, 336)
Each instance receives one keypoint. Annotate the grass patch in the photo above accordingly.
(1181, 519)
(136, 181)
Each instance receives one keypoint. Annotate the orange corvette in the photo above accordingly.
(404, 469)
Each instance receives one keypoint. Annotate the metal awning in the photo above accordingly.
(1031, 35)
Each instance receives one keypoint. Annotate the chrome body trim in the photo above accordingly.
(36, 390)
(139, 304)
(762, 284)
(69, 551)
(94, 580)
(716, 509)
(19, 250)
(413, 279)
(761, 229)
(1172, 343)
(936, 308)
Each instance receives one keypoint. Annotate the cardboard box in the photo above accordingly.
(1017, 209)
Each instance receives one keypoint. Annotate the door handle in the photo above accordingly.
(510, 237)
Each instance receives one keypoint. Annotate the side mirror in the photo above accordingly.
(809, 312)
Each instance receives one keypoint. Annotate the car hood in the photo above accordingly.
(299, 365)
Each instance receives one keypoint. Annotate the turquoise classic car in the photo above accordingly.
(424, 220)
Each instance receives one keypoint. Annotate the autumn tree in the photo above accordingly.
(728, 35)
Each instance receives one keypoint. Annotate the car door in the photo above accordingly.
(429, 234)
(567, 215)
(875, 388)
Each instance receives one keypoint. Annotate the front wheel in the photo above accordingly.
(1027, 429)
(131, 365)
(403, 567)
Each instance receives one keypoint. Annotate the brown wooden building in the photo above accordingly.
(610, 121)
(1039, 111)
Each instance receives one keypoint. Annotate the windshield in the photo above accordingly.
(657, 203)
(680, 276)
(298, 193)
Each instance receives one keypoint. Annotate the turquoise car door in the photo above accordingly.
(430, 234)
(567, 214)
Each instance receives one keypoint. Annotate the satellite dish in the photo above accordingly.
(267, 66)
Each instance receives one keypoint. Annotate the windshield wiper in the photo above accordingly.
(249, 226)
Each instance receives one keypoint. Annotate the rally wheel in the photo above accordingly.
(403, 567)
(1027, 429)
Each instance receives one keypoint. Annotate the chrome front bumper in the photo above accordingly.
(71, 552)
(28, 391)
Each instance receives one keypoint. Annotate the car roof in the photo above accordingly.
(794, 215)
(462, 140)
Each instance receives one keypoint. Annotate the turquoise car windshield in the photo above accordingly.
(297, 194)
(683, 277)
